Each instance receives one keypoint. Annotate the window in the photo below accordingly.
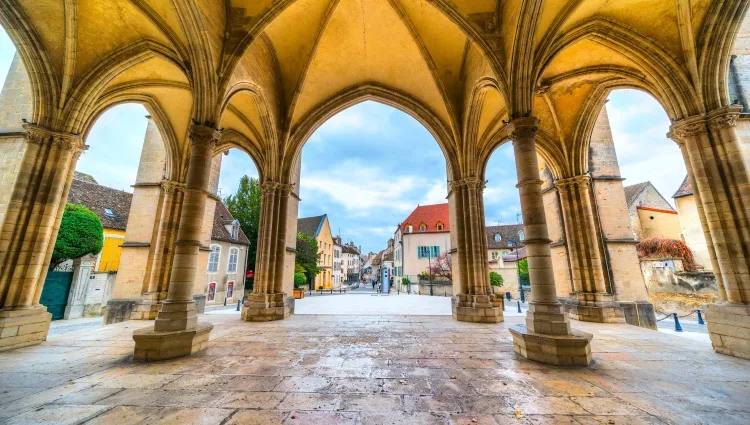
(233, 254)
(213, 259)
(211, 291)
(109, 212)
(408, 229)
(230, 289)
(520, 234)
(440, 226)
(498, 237)
(494, 255)
(235, 229)
(422, 227)
(428, 251)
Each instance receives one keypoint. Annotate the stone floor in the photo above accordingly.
(370, 370)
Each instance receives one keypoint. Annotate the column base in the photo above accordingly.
(729, 329)
(23, 327)
(120, 310)
(594, 307)
(558, 350)
(153, 346)
(267, 307)
(476, 309)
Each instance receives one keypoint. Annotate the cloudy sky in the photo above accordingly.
(371, 165)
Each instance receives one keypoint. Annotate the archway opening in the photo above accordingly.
(373, 193)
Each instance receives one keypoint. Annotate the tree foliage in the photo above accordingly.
(496, 279)
(523, 271)
(80, 233)
(442, 266)
(245, 207)
(307, 256)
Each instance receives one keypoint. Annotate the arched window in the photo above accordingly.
(234, 253)
(422, 227)
(230, 289)
(235, 229)
(211, 291)
(213, 259)
(498, 237)
(520, 234)
(439, 225)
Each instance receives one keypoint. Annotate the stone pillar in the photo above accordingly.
(176, 330)
(546, 337)
(133, 294)
(591, 299)
(474, 301)
(201, 277)
(718, 167)
(82, 268)
(29, 229)
(268, 300)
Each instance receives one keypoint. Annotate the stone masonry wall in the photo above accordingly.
(12, 147)
(15, 98)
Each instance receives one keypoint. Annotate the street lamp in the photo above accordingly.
(518, 264)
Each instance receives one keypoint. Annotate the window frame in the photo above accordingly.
(218, 258)
(236, 251)
(209, 295)
(230, 294)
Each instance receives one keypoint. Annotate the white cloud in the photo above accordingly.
(357, 120)
(436, 194)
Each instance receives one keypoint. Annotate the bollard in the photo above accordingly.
(519, 306)
(507, 295)
(677, 326)
(700, 318)
(502, 301)
(445, 293)
(238, 305)
(225, 301)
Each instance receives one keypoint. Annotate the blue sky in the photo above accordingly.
(371, 165)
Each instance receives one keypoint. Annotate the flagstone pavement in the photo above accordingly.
(370, 370)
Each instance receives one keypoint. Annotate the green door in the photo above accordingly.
(55, 292)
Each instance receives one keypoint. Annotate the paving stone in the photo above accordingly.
(57, 415)
(376, 403)
(310, 401)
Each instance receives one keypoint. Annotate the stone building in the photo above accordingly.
(227, 259)
(504, 242)
(475, 74)
(350, 261)
(420, 238)
(338, 267)
(690, 225)
(318, 228)
(650, 214)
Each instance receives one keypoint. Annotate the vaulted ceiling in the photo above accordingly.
(271, 71)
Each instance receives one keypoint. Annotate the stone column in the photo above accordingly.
(82, 268)
(546, 337)
(474, 301)
(268, 300)
(176, 330)
(719, 169)
(27, 235)
(592, 299)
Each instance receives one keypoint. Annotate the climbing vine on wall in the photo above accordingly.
(666, 248)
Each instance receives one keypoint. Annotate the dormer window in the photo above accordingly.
(498, 237)
(408, 229)
(109, 212)
(422, 227)
(235, 229)
(520, 234)
(439, 226)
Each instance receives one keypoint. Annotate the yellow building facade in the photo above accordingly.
(319, 229)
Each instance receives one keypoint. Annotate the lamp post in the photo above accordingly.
(518, 264)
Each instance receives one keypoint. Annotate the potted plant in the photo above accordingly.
(299, 280)
(496, 281)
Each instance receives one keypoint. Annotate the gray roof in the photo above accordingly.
(99, 199)
(349, 249)
(685, 189)
(508, 233)
(310, 225)
(632, 191)
(223, 217)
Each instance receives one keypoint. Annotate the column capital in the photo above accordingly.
(471, 182)
(171, 186)
(724, 117)
(203, 134)
(271, 186)
(582, 180)
(523, 128)
(67, 141)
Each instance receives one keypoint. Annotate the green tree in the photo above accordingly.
(80, 233)
(245, 207)
(496, 279)
(307, 255)
(523, 271)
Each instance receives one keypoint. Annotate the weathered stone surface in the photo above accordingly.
(729, 328)
(560, 350)
(151, 345)
(23, 327)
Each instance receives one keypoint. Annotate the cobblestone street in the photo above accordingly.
(370, 370)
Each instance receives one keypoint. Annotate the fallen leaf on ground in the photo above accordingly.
(518, 414)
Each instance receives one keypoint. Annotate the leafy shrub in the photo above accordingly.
(666, 248)
(80, 233)
(496, 279)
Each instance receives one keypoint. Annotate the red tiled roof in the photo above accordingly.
(685, 189)
(656, 210)
(430, 215)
